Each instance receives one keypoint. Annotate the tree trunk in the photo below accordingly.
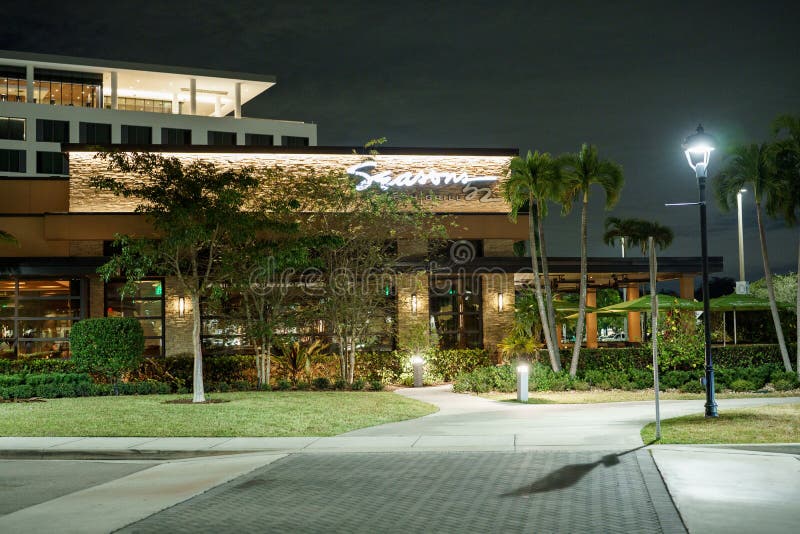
(197, 375)
(773, 306)
(537, 285)
(576, 350)
(797, 311)
(268, 364)
(351, 362)
(551, 314)
(654, 328)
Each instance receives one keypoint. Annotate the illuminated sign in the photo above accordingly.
(388, 179)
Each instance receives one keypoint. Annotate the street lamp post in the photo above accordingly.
(741, 285)
(698, 148)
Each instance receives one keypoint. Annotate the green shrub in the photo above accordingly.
(743, 385)
(303, 386)
(321, 383)
(386, 366)
(283, 384)
(11, 380)
(37, 366)
(242, 385)
(376, 385)
(109, 346)
(784, 385)
(357, 385)
(484, 379)
(580, 385)
(445, 365)
(339, 384)
(22, 391)
(222, 387)
(692, 387)
(780, 374)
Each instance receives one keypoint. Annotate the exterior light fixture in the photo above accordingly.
(523, 371)
(698, 148)
(181, 307)
(499, 301)
(741, 285)
(414, 303)
(417, 364)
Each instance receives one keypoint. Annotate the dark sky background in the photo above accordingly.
(633, 78)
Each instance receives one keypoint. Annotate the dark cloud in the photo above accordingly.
(632, 77)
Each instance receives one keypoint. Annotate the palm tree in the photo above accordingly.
(617, 228)
(529, 180)
(5, 237)
(754, 166)
(787, 204)
(582, 170)
(639, 231)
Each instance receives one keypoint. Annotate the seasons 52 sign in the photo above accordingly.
(473, 187)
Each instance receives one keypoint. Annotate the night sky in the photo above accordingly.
(529, 75)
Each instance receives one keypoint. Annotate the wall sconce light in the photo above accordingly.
(414, 303)
(181, 306)
(321, 326)
(499, 301)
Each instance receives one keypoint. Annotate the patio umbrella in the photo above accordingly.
(642, 304)
(565, 306)
(735, 302)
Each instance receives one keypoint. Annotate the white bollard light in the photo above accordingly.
(417, 363)
(522, 382)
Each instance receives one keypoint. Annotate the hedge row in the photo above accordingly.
(503, 378)
(53, 390)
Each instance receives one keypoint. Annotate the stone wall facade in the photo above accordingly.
(498, 310)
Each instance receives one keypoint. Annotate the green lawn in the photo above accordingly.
(764, 424)
(275, 413)
(602, 395)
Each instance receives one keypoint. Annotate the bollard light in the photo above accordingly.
(522, 382)
(417, 364)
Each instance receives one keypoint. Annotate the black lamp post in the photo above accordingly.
(698, 148)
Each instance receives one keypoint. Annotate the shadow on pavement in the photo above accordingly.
(568, 475)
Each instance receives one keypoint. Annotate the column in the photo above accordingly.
(218, 107)
(687, 286)
(591, 319)
(114, 90)
(413, 318)
(29, 83)
(498, 310)
(634, 318)
(192, 97)
(237, 100)
(176, 105)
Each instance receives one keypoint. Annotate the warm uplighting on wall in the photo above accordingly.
(181, 307)
(414, 303)
(499, 301)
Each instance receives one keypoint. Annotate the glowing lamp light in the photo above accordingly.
(414, 303)
(417, 360)
(522, 382)
(499, 302)
(698, 148)
(181, 306)
(523, 368)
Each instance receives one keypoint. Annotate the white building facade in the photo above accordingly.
(48, 100)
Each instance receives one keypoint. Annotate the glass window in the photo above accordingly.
(12, 128)
(146, 304)
(93, 133)
(292, 141)
(137, 135)
(13, 84)
(67, 88)
(52, 163)
(259, 140)
(12, 160)
(223, 326)
(176, 136)
(52, 131)
(456, 308)
(141, 104)
(36, 315)
(221, 138)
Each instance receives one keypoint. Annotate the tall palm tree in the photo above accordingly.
(637, 232)
(582, 170)
(787, 204)
(525, 186)
(754, 166)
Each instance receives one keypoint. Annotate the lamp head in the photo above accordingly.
(698, 148)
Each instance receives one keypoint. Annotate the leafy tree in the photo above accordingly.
(527, 330)
(581, 170)
(532, 181)
(110, 346)
(197, 211)
(753, 166)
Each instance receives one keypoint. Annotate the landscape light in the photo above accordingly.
(417, 364)
(522, 382)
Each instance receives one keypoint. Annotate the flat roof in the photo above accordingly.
(215, 149)
(73, 61)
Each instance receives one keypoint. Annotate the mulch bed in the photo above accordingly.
(189, 401)
(32, 399)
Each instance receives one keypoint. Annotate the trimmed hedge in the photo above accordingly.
(111, 346)
(542, 378)
(55, 385)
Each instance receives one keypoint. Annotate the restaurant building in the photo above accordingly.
(64, 228)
